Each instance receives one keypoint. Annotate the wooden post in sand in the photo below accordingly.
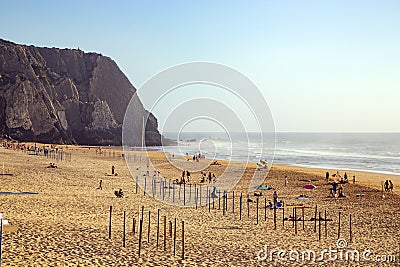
(124, 239)
(179, 194)
(165, 232)
(144, 191)
(315, 221)
(190, 192)
(283, 215)
(136, 190)
(219, 199)
(257, 211)
(226, 200)
(223, 204)
(338, 232)
(140, 235)
(275, 217)
(265, 209)
(240, 206)
(248, 206)
(195, 192)
(148, 230)
(142, 212)
(169, 188)
(183, 240)
(351, 230)
(170, 229)
(196, 196)
(174, 236)
(326, 226)
(200, 195)
(173, 193)
(302, 215)
(295, 224)
(209, 199)
(184, 194)
(134, 226)
(158, 225)
(109, 225)
(319, 226)
(293, 216)
(233, 201)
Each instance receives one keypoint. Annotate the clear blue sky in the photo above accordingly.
(322, 65)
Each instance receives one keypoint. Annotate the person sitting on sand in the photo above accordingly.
(386, 185)
(390, 186)
(334, 187)
(340, 190)
(119, 193)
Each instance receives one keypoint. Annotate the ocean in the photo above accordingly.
(371, 152)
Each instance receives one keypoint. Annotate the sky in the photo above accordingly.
(322, 66)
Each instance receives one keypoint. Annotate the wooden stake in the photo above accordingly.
(109, 225)
(165, 233)
(158, 225)
(183, 240)
(326, 226)
(233, 201)
(319, 226)
(257, 212)
(338, 233)
(265, 209)
(175, 236)
(140, 235)
(124, 239)
(148, 231)
(351, 230)
(315, 217)
(240, 207)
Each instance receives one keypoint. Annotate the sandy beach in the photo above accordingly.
(66, 222)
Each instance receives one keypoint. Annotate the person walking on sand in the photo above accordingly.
(386, 185)
(327, 176)
(112, 169)
(286, 180)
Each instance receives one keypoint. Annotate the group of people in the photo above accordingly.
(210, 178)
(337, 190)
(388, 186)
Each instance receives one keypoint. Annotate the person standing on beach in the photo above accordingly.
(354, 179)
(188, 176)
(275, 196)
(327, 176)
(112, 169)
(286, 180)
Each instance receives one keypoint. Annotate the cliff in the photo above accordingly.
(66, 96)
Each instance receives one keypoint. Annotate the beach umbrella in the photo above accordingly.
(309, 186)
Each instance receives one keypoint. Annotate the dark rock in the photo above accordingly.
(66, 96)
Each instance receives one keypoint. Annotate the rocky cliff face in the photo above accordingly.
(66, 96)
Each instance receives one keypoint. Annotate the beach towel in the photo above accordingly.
(263, 187)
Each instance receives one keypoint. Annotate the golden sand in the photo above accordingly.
(66, 223)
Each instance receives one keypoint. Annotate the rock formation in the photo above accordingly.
(66, 96)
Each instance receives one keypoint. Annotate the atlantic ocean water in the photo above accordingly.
(372, 152)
